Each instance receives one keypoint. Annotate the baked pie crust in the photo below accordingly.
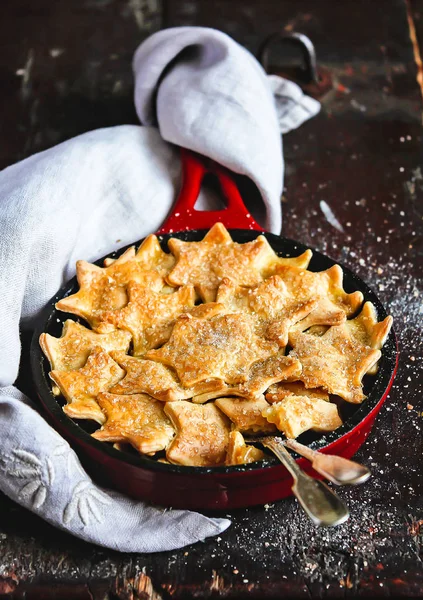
(82, 386)
(145, 376)
(204, 264)
(366, 330)
(202, 434)
(221, 347)
(149, 315)
(273, 308)
(296, 414)
(191, 349)
(279, 391)
(246, 415)
(137, 419)
(105, 289)
(336, 362)
(71, 350)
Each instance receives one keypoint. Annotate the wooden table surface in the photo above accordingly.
(65, 69)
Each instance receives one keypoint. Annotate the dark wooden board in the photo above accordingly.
(65, 69)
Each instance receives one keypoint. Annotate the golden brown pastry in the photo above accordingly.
(202, 434)
(71, 350)
(264, 373)
(137, 419)
(336, 362)
(333, 306)
(104, 289)
(150, 256)
(279, 391)
(271, 305)
(366, 329)
(296, 414)
(246, 415)
(260, 376)
(149, 316)
(155, 379)
(81, 387)
(222, 347)
(156, 357)
(271, 261)
(204, 264)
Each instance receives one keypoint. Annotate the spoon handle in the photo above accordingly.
(319, 502)
(340, 471)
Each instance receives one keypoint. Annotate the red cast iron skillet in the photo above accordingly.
(216, 488)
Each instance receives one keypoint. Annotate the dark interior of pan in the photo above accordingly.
(51, 321)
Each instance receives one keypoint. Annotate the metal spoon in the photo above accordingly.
(340, 471)
(319, 502)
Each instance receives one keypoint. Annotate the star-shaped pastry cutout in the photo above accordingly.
(150, 256)
(279, 391)
(336, 362)
(366, 329)
(333, 305)
(204, 264)
(272, 262)
(246, 414)
(71, 350)
(137, 419)
(202, 434)
(272, 306)
(105, 289)
(149, 316)
(221, 347)
(239, 452)
(267, 372)
(261, 375)
(155, 379)
(82, 386)
(296, 414)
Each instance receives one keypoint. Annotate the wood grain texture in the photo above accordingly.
(65, 69)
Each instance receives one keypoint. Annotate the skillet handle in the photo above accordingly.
(184, 216)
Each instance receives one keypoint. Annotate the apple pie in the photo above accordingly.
(183, 355)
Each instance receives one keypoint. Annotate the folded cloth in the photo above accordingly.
(95, 193)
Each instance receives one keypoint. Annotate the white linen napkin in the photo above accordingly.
(95, 193)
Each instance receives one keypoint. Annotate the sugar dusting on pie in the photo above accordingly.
(183, 355)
